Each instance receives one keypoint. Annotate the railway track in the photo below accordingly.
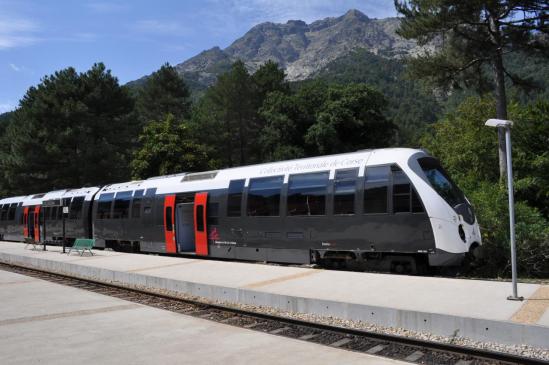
(390, 346)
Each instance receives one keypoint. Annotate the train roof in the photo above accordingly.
(219, 179)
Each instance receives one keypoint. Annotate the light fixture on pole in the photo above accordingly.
(507, 124)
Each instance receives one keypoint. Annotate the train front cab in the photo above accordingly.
(455, 229)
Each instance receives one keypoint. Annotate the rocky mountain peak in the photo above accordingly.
(300, 48)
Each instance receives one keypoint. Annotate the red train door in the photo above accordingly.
(200, 229)
(26, 221)
(169, 220)
(37, 223)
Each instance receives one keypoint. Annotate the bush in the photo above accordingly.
(531, 233)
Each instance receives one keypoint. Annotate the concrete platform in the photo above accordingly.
(469, 308)
(47, 323)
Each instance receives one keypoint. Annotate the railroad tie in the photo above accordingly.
(308, 337)
(464, 362)
(376, 349)
(414, 356)
(341, 342)
(252, 325)
(279, 330)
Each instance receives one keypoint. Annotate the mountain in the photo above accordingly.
(301, 49)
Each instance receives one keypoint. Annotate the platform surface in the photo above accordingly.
(47, 323)
(476, 299)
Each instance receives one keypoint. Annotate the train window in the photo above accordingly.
(401, 192)
(375, 189)
(53, 214)
(441, 182)
(200, 218)
(47, 212)
(307, 193)
(213, 213)
(3, 213)
(122, 205)
(169, 223)
(151, 192)
(77, 204)
(104, 206)
(11, 213)
(136, 203)
(417, 207)
(344, 192)
(264, 196)
(234, 199)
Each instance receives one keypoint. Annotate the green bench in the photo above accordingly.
(31, 241)
(81, 245)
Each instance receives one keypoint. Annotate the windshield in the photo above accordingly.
(441, 182)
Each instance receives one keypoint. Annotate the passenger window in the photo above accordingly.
(401, 191)
(344, 191)
(307, 194)
(405, 198)
(151, 192)
(104, 206)
(77, 204)
(53, 214)
(136, 203)
(47, 212)
(234, 198)
(11, 213)
(375, 189)
(200, 218)
(264, 196)
(417, 206)
(213, 213)
(3, 212)
(122, 205)
(169, 223)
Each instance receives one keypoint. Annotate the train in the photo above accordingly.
(391, 209)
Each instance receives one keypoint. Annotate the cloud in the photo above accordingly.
(281, 11)
(14, 67)
(17, 32)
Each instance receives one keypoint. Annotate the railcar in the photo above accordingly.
(390, 209)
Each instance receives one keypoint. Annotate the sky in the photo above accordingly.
(135, 37)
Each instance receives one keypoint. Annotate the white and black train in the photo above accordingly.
(388, 209)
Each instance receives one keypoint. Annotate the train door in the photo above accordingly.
(184, 227)
(30, 223)
(169, 226)
(37, 223)
(26, 222)
(200, 229)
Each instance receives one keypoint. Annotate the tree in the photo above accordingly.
(71, 130)
(166, 148)
(467, 149)
(472, 34)
(323, 118)
(227, 117)
(164, 92)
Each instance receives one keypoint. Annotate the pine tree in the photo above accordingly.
(71, 130)
(163, 93)
(472, 34)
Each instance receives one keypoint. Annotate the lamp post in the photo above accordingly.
(507, 124)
